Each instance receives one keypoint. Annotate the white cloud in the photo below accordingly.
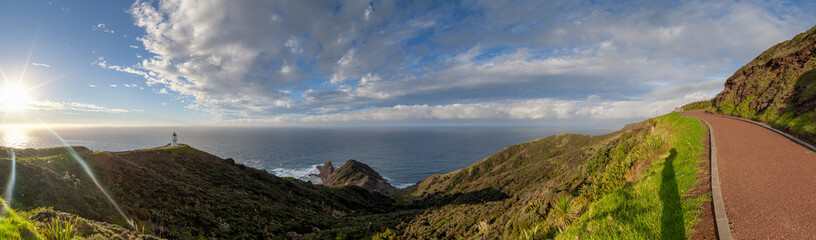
(293, 45)
(424, 57)
(130, 85)
(367, 13)
(504, 110)
(40, 65)
(113, 85)
(286, 69)
(640, 108)
(47, 105)
(134, 46)
(91, 85)
(103, 28)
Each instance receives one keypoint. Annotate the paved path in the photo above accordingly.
(768, 182)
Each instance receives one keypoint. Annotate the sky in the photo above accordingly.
(281, 63)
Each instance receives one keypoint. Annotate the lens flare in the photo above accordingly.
(12, 176)
(90, 174)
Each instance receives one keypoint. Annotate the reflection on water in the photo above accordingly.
(15, 138)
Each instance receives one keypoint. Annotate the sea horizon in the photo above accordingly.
(401, 154)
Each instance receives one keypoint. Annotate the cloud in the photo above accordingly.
(320, 60)
(130, 85)
(534, 109)
(91, 85)
(40, 65)
(101, 27)
(47, 105)
(134, 46)
(113, 85)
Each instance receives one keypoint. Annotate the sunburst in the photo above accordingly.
(14, 96)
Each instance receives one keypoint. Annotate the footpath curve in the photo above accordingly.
(768, 181)
(720, 219)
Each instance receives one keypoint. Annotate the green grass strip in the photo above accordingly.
(657, 206)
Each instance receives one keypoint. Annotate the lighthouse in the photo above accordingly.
(175, 140)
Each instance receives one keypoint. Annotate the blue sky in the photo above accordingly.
(315, 62)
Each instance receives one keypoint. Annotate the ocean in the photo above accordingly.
(403, 155)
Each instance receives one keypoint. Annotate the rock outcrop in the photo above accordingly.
(354, 173)
(778, 81)
(325, 171)
(778, 87)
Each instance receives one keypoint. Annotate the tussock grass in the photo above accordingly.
(58, 229)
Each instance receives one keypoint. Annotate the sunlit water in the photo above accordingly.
(15, 138)
(404, 155)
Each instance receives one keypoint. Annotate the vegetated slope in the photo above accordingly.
(778, 87)
(662, 204)
(43, 223)
(539, 188)
(183, 193)
(536, 189)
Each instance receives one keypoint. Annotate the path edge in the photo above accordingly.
(720, 218)
(764, 125)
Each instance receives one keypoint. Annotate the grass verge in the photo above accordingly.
(656, 207)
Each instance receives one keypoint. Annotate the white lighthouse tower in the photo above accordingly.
(175, 140)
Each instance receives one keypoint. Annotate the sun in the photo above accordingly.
(14, 97)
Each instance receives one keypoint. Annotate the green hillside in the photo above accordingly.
(569, 183)
(183, 193)
(777, 87)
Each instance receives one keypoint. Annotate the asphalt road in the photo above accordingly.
(768, 181)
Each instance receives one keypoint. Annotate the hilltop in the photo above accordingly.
(181, 192)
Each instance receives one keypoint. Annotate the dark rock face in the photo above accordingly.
(354, 173)
(325, 171)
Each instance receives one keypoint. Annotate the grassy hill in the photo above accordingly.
(564, 184)
(777, 87)
(554, 187)
(183, 193)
